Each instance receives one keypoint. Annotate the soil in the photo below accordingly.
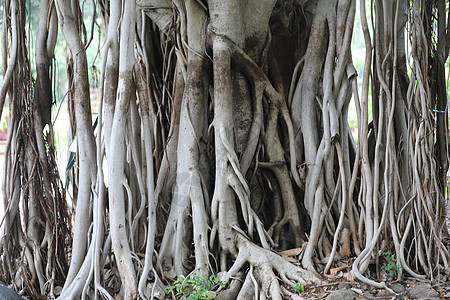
(408, 289)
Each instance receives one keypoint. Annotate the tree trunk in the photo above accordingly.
(222, 138)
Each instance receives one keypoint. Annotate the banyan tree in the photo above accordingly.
(222, 138)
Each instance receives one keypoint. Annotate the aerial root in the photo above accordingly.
(266, 271)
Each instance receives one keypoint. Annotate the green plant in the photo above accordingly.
(299, 287)
(390, 266)
(195, 287)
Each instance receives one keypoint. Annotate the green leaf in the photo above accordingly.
(210, 295)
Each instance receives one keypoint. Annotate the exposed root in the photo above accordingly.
(266, 270)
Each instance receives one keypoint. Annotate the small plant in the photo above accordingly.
(299, 287)
(195, 287)
(390, 266)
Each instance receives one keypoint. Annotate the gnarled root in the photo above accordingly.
(266, 268)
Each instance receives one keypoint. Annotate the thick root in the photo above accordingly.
(266, 268)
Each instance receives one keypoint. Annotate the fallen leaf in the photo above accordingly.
(321, 295)
(292, 252)
(333, 271)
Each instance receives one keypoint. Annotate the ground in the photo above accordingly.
(408, 289)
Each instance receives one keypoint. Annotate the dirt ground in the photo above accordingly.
(408, 289)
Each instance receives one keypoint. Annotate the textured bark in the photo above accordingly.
(117, 197)
(222, 138)
(85, 138)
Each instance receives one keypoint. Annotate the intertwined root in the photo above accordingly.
(266, 268)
